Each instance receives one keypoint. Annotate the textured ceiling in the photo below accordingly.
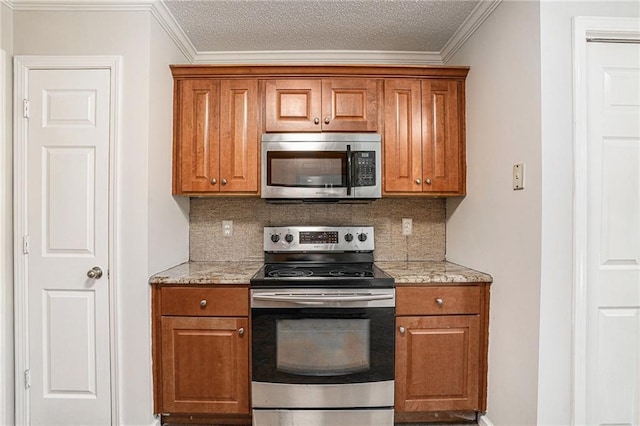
(268, 25)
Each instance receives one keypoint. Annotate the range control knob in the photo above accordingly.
(348, 237)
(288, 238)
(275, 238)
(362, 237)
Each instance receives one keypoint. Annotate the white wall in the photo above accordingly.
(6, 215)
(494, 228)
(521, 78)
(145, 134)
(554, 387)
(168, 215)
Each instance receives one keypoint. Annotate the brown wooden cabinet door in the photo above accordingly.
(350, 105)
(205, 365)
(293, 105)
(443, 160)
(338, 105)
(402, 136)
(437, 363)
(239, 137)
(197, 136)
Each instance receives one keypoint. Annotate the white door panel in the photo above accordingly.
(613, 242)
(615, 375)
(69, 180)
(68, 225)
(69, 340)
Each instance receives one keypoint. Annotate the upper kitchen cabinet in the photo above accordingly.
(424, 138)
(328, 105)
(221, 110)
(216, 137)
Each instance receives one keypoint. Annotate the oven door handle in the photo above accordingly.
(319, 299)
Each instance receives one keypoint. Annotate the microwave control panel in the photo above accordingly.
(364, 168)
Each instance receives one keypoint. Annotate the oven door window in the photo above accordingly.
(322, 347)
(304, 169)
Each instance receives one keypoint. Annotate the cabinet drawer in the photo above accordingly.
(204, 301)
(443, 300)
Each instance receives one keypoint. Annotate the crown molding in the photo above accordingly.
(481, 12)
(82, 5)
(167, 21)
(170, 25)
(157, 8)
(320, 57)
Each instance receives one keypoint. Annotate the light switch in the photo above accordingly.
(518, 176)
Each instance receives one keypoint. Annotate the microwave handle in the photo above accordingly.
(349, 172)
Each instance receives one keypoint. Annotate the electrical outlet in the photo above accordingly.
(407, 226)
(518, 176)
(227, 228)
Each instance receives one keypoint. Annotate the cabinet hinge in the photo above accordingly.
(25, 108)
(27, 379)
(25, 244)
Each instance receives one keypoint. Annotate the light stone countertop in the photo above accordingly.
(432, 273)
(208, 273)
(241, 273)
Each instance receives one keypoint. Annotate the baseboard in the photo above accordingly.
(483, 420)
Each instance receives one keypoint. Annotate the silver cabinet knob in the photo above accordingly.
(326, 120)
(213, 181)
(418, 181)
(203, 303)
(428, 181)
(402, 330)
(439, 301)
(316, 120)
(241, 331)
(95, 272)
(224, 181)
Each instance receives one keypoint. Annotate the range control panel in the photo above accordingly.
(318, 238)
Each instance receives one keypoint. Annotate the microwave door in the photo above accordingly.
(330, 166)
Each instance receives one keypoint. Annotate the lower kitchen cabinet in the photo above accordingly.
(201, 351)
(441, 351)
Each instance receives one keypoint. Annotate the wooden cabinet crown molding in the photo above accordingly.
(273, 71)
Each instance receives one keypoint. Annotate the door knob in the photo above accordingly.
(95, 272)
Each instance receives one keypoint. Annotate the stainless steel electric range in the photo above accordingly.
(322, 329)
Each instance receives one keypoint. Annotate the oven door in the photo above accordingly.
(322, 348)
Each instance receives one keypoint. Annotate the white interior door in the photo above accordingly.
(68, 234)
(613, 242)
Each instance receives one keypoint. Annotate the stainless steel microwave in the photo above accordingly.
(321, 166)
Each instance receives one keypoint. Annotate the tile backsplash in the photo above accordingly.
(251, 215)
